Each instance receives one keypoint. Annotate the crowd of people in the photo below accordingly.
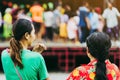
(61, 23)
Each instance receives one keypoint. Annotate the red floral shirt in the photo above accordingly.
(87, 72)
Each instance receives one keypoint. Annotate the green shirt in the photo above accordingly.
(33, 62)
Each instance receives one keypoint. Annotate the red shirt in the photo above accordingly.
(87, 72)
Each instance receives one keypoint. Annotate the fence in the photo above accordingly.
(67, 58)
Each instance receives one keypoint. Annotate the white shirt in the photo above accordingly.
(111, 17)
(77, 19)
(72, 28)
(48, 18)
(64, 18)
(23, 16)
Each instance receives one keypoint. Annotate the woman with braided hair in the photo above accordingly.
(18, 62)
(99, 68)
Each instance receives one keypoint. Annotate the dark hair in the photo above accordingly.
(85, 2)
(72, 14)
(98, 45)
(110, 2)
(48, 9)
(20, 27)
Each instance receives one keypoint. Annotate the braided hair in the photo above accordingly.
(98, 45)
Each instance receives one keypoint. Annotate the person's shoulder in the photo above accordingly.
(50, 12)
(82, 68)
(96, 15)
(115, 67)
(32, 54)
(4, 55)
(4, 52)
(114, 8)
(112, 66)
(82, 8)
(106, 10)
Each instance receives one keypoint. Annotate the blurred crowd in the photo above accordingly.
(61, 23)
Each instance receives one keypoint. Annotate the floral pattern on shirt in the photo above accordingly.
(87, 72)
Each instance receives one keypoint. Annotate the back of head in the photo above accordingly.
(98, 10)
(98, 45)
(110, 4)
(20, 27)
(36, 3)
(85, 3)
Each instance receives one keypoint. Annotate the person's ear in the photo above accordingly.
(27, 35)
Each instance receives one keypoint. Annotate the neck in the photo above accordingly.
(92, 58)
(23, 44)
(110, 8)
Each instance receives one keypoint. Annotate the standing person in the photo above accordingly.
(111, 14)
(99, 68)
(7, 23)
(63, 24)
(94, 21)
(48, 21)
(101, 20)
(72, 27)
(14, 12)
(22, 13)
(84, 22)
(18, 62)
(56, 22)
(37, 18)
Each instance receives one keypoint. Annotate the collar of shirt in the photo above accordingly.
(93, 62)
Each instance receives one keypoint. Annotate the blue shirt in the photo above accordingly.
(83, 13)
(94, 20)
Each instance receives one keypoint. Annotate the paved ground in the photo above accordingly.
(48, 44)
(59, 44)
(53, 76)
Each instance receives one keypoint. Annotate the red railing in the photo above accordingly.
(67, 55)
(67, 52)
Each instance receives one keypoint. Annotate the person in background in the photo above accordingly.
(99, 68)
(37, 18)
(48, 21)
(18, 62)
(56, 23)
(72, 27)
(63, 24)
(7, 18)
(14, 12)
(68, 9)
(22, 13)
(94, 21)
(84, 23)
(111, 15)
(101, 19)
